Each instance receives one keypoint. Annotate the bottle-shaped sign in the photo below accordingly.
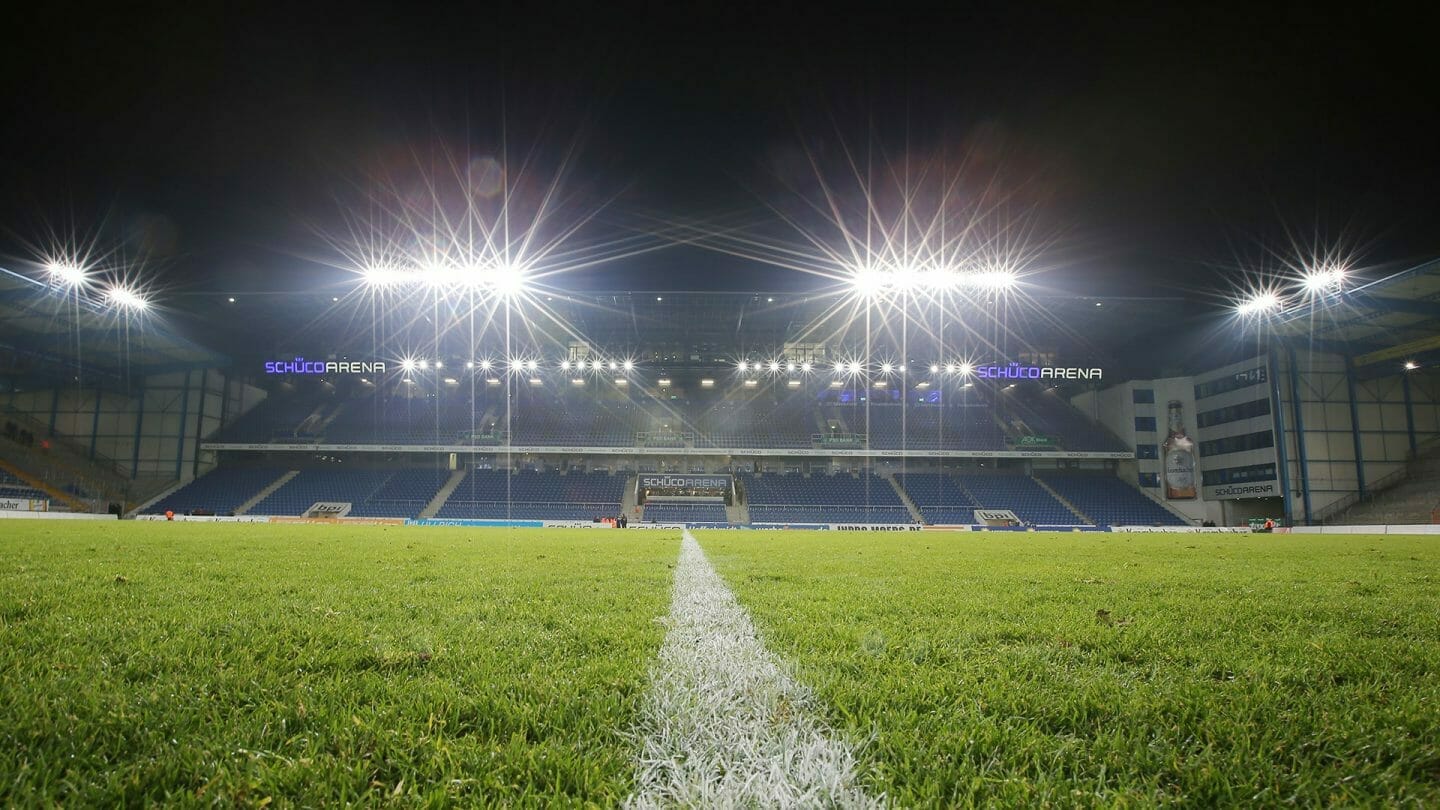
(1179, 455)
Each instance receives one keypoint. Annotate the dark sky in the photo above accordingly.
(1163, 141)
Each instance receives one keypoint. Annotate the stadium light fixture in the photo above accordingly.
(613, 365)
(707, 383)
(994, 280)
(805, 367)
(949, 368)
(409, 381)
(1411, 365)
(407, 364)
(386, 276)
(628, 365)
(793, 383)
(451, 381)
(743, 366)
(663, 382)
(594, 365)
(902, 368)
(536, 382)
(774, 366)
(126, 298)
(507, 282)
(565, 365)
(886, 368)
(966, 369)
(439, 364)
(577, 381)
(70, 274)
(1258, 304)
(469, 364)
(934, 369)
(531, 365)
(790, 368)
(836, 384)
(923, 384)
(423, 365)
(869, 282)
(485, 365)
(491, 381)
(231, 299)
(1323, 280)
(621, 381)
(751, 383)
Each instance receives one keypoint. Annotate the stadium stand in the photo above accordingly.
(840, 498)
(310, 486)
(1020, 494)
(683, 512)
(1045, 414)
(497, 494)
(220, 491)
(275, 419)
(404, 495)
(12, 487)
(939, 498)
(1107, 500)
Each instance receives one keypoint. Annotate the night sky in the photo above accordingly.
(1161, 146)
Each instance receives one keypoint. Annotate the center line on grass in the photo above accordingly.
(724, 724)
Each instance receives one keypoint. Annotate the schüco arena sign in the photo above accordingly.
(302, 366)
(1016, 371)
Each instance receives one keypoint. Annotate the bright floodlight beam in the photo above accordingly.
(1259, 304)
(1325, 279)
(69, 274)
(127, 298)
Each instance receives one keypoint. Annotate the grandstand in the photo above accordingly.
(602, 387)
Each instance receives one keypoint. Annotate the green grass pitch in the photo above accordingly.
(191, 663)
(1113, 669)
(226, 664)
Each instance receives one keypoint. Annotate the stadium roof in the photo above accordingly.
(1380, 325)
(48, 334)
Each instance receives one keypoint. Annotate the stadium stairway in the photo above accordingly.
(433, 508)
(630, 501)
(905, 499)
(738, 515)
(266, 492)
(1084, 518)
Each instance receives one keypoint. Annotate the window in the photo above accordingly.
(1144, 424)
(1234, 382)
(1143, 396)
(1233, 413)
(1151, 480)
(1238, 444)
(1238, 475)
(1147, 451)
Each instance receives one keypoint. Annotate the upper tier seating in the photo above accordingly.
(220, 491)
(939, 498)
(275, 419)
(327, 484)
(1049, 415)
(1109, 501)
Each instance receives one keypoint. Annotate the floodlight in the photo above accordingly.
(949, 368)
(232, 299)
(469, 364)
(531, 365)
(836, 384)
(868, 281)
(422, 365)
(879, 383)
(451, 381)
(1259, 303)
(743, 366)
(507, 281)
(407, 364)
(966, 369)
(565, 366)
(793, 383)
(439, 364)
(613, 365)
(485, 364)
(69, 273)
(491, 381)
(902, 368)
(934, 369)
(923, 384)
(663, 382)
(886, 368)
(751, 383)
(1411, 365)
(804, 366)
(774, 366)
(790, 367)
(594, 365)
(659, 298)
(122, 296)
(1324, 279)
(707, 383)
(993, 279)
(409, 381)
(577, 381)
(621, 381)
(628, 365)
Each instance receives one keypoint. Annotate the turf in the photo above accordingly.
(211, 664)
(1033, 669)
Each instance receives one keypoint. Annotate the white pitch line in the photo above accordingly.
(724, 725)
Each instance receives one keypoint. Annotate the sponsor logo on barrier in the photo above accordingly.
(652, 451)
(875, 527)
(24, 505)
(332, 521)
(206, 518)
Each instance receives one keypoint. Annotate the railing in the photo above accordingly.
(1373, 491)
(660, 438)
(839, 440)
